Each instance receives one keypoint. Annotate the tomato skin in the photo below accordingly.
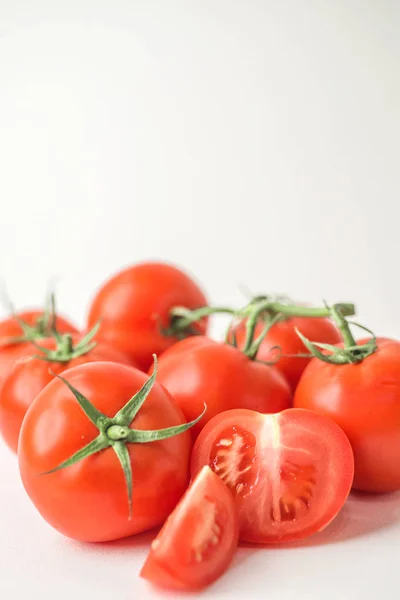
(290, 473)
(88, 501)
(134, 305)
(364, 399)
(9, 328)
(198, 371)
(30, 375)
(283, 335)
(198, 540)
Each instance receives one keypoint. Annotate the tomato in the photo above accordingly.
(364, 399)
(290, 473)
(30, 375)
(86, 453)
(11, 330)
(134, 306)
(198, 371)
(198, 540)
(283, 335)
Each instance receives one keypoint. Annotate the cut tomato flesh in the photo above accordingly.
(290, 473)
(198, 540)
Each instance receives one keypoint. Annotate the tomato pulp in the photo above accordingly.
(199, 538)
(290, 473)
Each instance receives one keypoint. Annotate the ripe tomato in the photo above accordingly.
(290, 473)
(364, 399)
(13, 338)
(283, 335)
(198, 371)
(30, 375)
(83, 464)
(198, 540)
(134, 306)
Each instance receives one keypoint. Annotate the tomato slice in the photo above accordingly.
(290, 472)
(199, 538)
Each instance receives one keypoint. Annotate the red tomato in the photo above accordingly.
(197, 543)
(134, 306)
(290, 473)
(88, 500)
(198, 371)
(30, 375)
(364, 399)
(283, 335)
(10, 328)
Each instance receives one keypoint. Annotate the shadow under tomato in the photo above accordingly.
(141, 540)
(362, 514)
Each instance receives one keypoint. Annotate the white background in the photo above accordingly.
(254, 142)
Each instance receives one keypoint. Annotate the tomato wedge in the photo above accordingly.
(198, 540)
(290, 472)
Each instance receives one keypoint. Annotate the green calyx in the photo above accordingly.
(270, 310)
(351, 353)
(44, 325)
(182, 321)
(65, 349)
(117, 433)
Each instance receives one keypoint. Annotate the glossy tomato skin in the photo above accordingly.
(198, 371)
(290, 473)
(198, 540)
(364, 399)
(88, 501)
(30, 375)
(9, 328)
(134, 305)
(283, 335)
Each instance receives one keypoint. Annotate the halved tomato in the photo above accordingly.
(289, 472)
(199, 538)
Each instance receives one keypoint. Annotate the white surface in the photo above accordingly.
(253, 142)
(355, 558)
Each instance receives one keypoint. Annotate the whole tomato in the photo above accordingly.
(16, 333)
(292, 351)
(134, 308)
(35, 368)
(199, 371)
(364, 399)
(104, 452)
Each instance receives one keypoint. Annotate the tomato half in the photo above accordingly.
(30, 375)
(283, 335)
(290, 473)
(198, 371)
(88, 500)
(198, 540)
(10, 329)
(134, 306)
(364, 399)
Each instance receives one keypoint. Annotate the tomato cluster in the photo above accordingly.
(142, 420)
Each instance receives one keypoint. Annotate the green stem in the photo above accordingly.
(65, 345)
(293, 310)
(181, 318)
(276, 310)
(342, 324)
(251, 325)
